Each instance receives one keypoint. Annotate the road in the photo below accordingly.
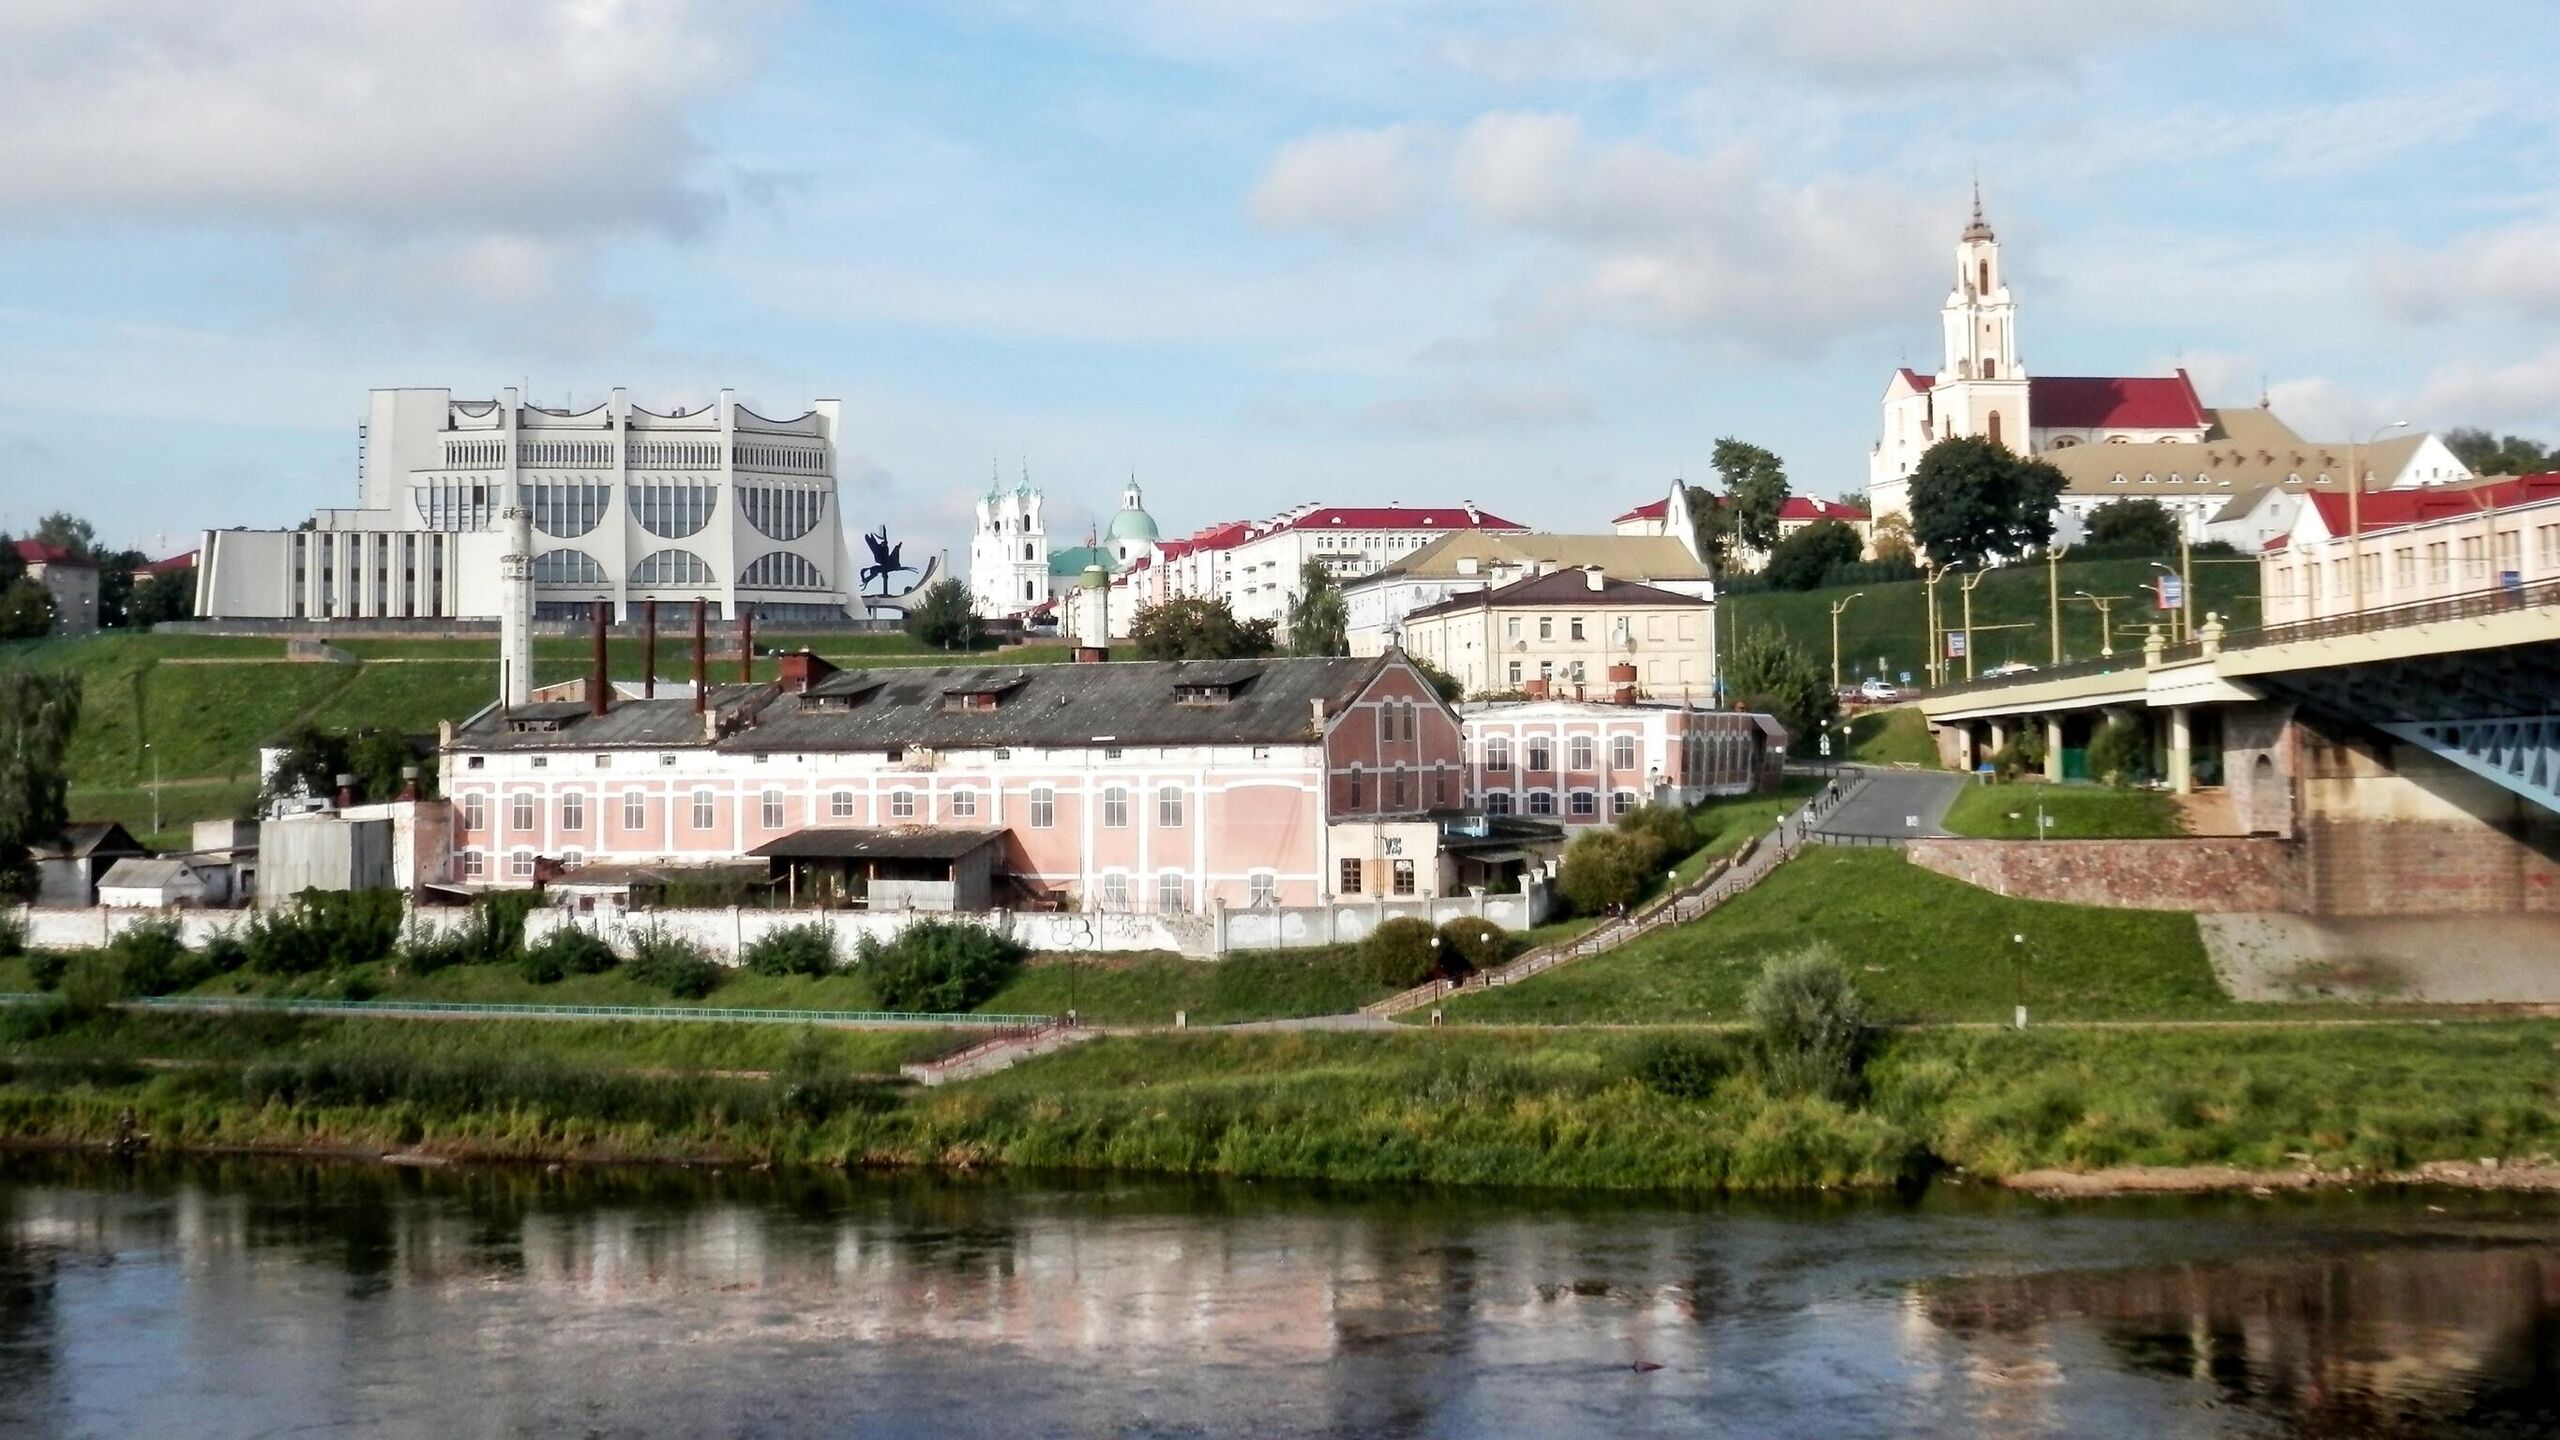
(1891, 800)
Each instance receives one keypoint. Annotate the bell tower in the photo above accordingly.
(1982, 384)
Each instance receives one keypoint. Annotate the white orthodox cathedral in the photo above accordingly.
(1013, 570)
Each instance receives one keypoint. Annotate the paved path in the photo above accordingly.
(1889, 799)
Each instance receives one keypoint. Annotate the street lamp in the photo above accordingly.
(1836, 607)
(2106, 625)
(1935, 574)
(155, 785)
(2175, 629)
(2053, 595)
(2020, 955)
(2355, 514)
(1966, 585)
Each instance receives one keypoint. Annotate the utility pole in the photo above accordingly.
(2053, 595)
(1967, 584)
(1937, 663)
(1836, 607)
(2106, 623)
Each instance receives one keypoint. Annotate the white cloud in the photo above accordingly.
(1341, 180)
(465, 116)
(1479, 408)
(1897, 37)
(2525, 393)
(2512, 271)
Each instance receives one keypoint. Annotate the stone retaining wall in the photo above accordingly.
(2206, 874)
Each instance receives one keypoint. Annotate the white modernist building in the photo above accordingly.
(719, 505)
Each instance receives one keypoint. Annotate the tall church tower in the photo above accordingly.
(1981, 386)
(1009, 551)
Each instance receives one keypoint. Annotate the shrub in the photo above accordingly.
(223, 953)
(794, 950)
(152, 957)
(670, 962)
(1468, 945)
(941, 967)
(13, 936)
(1607, 868)
(95, 981)
(1682, 1067)
(33, 1020)
(564, 952)
(1810, 1023)
(1670, 826)
(2119, 754)
(325, 930)
(1399, 953)
(426, 952)
(2022, 755)
(46, 967)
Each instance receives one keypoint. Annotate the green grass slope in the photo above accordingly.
(2070, 812)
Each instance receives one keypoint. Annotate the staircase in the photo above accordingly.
(1000, 1052)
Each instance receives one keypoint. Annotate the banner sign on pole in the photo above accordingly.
(1955, 644)
(2173, 592)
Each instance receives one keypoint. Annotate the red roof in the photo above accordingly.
(1805, 507)
(1916, 380)
(1654, 510)
(2392, 509)
(164, 567)
(36, 552)
(2099, 402)
(1397, 517)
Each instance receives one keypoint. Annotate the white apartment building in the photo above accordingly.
(720, 506)
(2413, 546)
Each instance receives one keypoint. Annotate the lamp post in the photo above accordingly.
(2106, 624)
(2053, 595)
(2355, 515)
(2175, 633)
(155, 785)
(1935, 573)
(1966, 585)
(2020, 954)
(1836, 607)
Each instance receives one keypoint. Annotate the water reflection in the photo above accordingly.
(239, 1298)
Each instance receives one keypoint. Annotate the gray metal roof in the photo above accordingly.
(667, 724)
(848, 843)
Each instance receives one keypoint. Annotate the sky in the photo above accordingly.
(1535, 254)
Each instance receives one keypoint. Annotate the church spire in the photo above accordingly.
(1980, 229)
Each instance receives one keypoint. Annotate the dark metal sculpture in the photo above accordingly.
(884, 561)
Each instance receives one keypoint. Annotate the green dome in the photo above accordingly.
(1132, 524)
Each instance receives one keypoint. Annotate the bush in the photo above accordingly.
(670, 962)
(2119, 754)
(95, 981)
(564, 952)
(426, 952)
(1682, 1067)
(1670, 826)
(152, 957)
(1605, 869)
(33, 1020)
(1469, 945)
(13, 936)
(940, 967)
(223, 953)
(1399, 953)
(2022, 755)
(794, 950)
(46, 967)
(325, 930)
(1810, 1023)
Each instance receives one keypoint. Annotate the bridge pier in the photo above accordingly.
(2053, 749)
(2182, 754)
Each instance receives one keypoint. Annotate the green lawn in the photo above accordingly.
(1921, 947)
(2069, 812)
(1898, 736)
(1723, 825)
(181, 805)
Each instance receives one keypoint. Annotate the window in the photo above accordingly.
(1354, 801)
(772, 810)
(541, 762)
(666, 762)
(1115, 891)
(604, 762)
(1113, 753)
(475, 812)
(1542, 753)
(964, 804)
(520, 811)
(1573, 628)
(1439, 785)
(1542, 802)
(840, 805)
(1169, 807)
(1622, 752)
(474, 865)
(635, 810)
(1583, 804)
(1497, 802)
(1621, 802)
(1387, 722)
(1511, 628)
(1350, 881)
(1169, 891)
(1262, 888)
(902, 804)
(1497, 753)
(701, 809)
(573, 811)
(475, 762)
(1403, 877)
(1115, 808)
(1579, 748)
(1546, 627)
(1044, 807)
(520, 864)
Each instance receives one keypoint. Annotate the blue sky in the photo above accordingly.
(1538, 254)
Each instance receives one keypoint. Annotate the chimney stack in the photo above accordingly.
(1622, 684)
(346, 792)
(701, 657)
(1092, 654)
(515, 608)
(1594, 579)
(648, 638)
(599, 683)
(746, 644)
(408, 782)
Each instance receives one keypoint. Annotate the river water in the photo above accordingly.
(261, 1298)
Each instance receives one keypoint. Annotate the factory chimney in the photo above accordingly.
(515, 609)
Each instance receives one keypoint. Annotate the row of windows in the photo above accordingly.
(676, 454)
(671, 567)
(783, 457)
(474, 454)
(1353, 875)
(523, 808)
(784, 512)
(591, 453)
(673, 508)
(456, 504)
(1539, 752)
(1581, 804)
(568, 509)
(1173, 888)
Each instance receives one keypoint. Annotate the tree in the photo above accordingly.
(12, 568)
(1755, 483)
(2132, 526)
(1196, 627)
(2488, 454)
(1973, 499)
(26, 610)
(1801, 560)
(1449, 687)
(1890, 540)
(116, 582)
(169, 595)
(1319, 623)
(1711, 522)
(39, 709)
(944, 617)
(1772, 674)
(69, 532)
(1604, 869)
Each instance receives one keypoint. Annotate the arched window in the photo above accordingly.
(1982, 276)
(671, 567)
(567, 567)
(780, 511)
(1995, 415)
(783, 570)
(1991, 371)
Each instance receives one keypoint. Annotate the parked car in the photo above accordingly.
(1878, 689)
(2014, 667)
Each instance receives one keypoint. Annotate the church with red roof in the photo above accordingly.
(1982, 387)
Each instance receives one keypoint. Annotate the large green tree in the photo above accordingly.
(70, 532)
(1973, 499)
(1711, 521)
(1319, 622)
(944, 617)
(2132, 526)
(1755, 485)
(1770, 673)
(26, 610)
(1800, 561)
(39, 710)
(170, 595)
(2489, 454)
(1197, 627)
(116, 583)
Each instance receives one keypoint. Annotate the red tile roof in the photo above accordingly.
(36, 552)
(163, 567)
(2392, 509)
(1397, 517)
(2098, 402)
(1918, 381)
(1806, 507)
(1652, 510)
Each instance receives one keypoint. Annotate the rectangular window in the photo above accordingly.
(1396, 796)
(1386, 722)
(701, 809)
(840, 805)
(604, 762)
(1350, 881)
(1580, 750)
(635, 810)
(1355, 802)
(1583, 803)
(573, 811)
(1511, 628)
(1439, 785)
(1546, 627)
(1169, 807)
(1044, 807)
(1262, 888)
(772, 815)
(1497, 753)
(1403, 877)
(1622, 802)
(475, 812)
(520, 811)
(964, 804)
(1515, 674)
(1622, 752)
(1542, 753)
(902, 804)
(473, 865)
(1115, 808)
(520, 865)
(1115, 891)
(1169, 891)
(1573, 630)
(1542, 802)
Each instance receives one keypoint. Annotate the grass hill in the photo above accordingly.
(1892, 620)
(203, 704)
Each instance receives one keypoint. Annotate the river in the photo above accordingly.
(261, 1297)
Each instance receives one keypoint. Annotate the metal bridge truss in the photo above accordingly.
(2520, 754)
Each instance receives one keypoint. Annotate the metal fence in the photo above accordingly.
(491, 1010)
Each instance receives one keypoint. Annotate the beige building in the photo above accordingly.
(1375, 605)
(70, 580)
(1568, 628)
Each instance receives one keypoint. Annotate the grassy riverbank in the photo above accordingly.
(1584, 1109)
(2069, 812)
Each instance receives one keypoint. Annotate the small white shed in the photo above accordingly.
(151, 885)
